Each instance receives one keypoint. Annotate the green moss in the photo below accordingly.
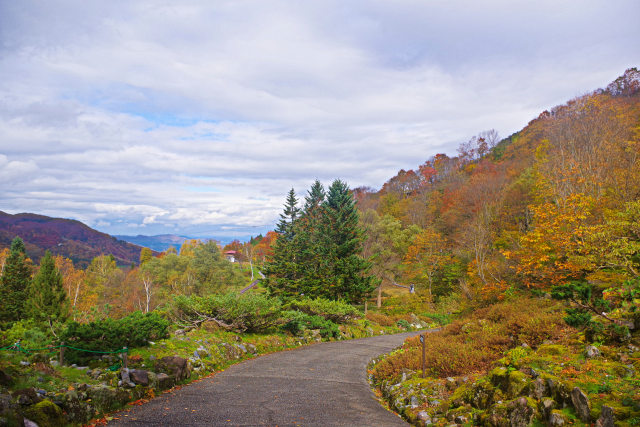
(552, 350)
(45, 414)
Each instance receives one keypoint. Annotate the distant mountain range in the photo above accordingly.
(158, 243)
(66, 237)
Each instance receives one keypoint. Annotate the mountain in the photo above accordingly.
(66, 237)
(158, 243)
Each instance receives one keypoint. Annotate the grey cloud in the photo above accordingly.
(198, 116)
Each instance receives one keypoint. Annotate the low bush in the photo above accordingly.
(297, 322)
(134, 330)
(235, 312)
(473, 343)
(335, 311)
(380, 319)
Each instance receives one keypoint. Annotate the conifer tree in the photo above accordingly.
(47, 297)
(282, 269)
(14, 283)
(320, 257)
(342, 245)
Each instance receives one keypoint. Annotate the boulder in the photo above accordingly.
(164, 381)
(139, 376)
(581, 404)
(539, 388)
(9, 411)
(557, 418)
(107, 398)
(591, 352)
(547, 406)
(606, 417)
(424, 417)
(45, 414)
(26, 396)
(126, 379)
(521, 412)
(5, 379)
(175, 366)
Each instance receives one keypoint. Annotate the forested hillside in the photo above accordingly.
(556, 202)
(68, 238)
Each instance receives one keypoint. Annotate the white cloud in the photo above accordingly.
(197, 116)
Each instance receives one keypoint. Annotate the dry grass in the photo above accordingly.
(472, 344)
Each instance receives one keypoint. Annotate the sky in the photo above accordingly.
(197, 117)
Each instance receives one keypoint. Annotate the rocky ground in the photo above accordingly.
(34, 390)
(557, 384)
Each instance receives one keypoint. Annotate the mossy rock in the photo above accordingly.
(461, 395)
(45, 414)
(551, 350)
(482, 394)
(517, 382)
(499, 377)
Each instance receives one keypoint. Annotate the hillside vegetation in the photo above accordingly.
(551, 212)
(529, 246)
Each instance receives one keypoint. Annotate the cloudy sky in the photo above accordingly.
(196, 117)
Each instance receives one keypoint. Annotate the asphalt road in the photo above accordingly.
(319, 385)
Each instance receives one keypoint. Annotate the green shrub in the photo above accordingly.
(134, 330)
(27, 332)
(240, 313)
(403, 324)
(335, 311)
(297, 322)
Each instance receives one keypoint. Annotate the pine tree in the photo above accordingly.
(47, 297)
(310, 243)
(14, 283)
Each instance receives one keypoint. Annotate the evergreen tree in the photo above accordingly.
(342, 245)
(320, 256)
(289, 216)
(47, 297)
(14, 283)
(310, 243)
(282, 269)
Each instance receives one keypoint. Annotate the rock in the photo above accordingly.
(175, 366)
(547, 405)
(179, 332)
(424, 417)
(9, 411)
(139, 376)
(591, 352)
(29, 423)
(557, 418)
(606, 417)
(126, 380)
(45, 414)
(521, 412)
(539, 388)
(581, 404)
(26, 396)
(242, 348)
(414, 402)
(5, 379)
(252, 349)
(460, 419)
(164, 381)
(24, 363)
(107, 398)
(231, 351)
(450, 383)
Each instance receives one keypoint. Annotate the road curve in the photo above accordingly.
(319, 385)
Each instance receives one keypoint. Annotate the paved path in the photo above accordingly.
(319, 385)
